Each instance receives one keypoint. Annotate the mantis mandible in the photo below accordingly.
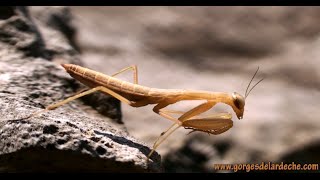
(136, 95)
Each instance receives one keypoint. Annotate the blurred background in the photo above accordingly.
(216, 49)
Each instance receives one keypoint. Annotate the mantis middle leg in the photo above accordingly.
(191, 113)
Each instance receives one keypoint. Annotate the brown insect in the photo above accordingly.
(136, 95)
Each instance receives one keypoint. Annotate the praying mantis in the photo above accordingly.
(137, 95)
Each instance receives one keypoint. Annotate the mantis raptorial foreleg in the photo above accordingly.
(193, 112)
(184, 117)
(214, 124)
(197, 110)
(158, 109)
(172, 111)
(181, 112)
(168, 111)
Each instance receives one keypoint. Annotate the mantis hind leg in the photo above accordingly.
(99, 88)
(87, 91)
(135, 72)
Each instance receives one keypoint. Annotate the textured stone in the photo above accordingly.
(73, 137)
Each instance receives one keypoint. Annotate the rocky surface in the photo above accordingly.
(74, 137)
(216, 49)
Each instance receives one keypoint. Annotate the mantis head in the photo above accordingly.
(238, 104)
(239, 101)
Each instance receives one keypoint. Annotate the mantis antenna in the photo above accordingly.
(248, 92)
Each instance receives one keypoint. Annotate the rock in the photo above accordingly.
(191, 157)
(73, 137)
(303, 155)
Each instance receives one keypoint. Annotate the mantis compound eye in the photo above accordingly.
(238, 100)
